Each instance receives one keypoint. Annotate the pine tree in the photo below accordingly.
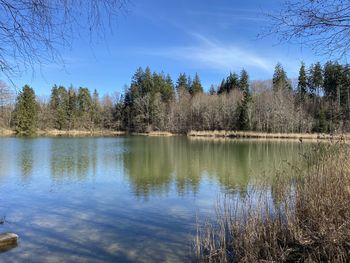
(96, 109)
(332, 80)
(26, 112)
(280, 80)
(196, 86)
(84, 103)
(72, 108)
(59, 107)
(222, 87)
(181, 83)
(302, 81)
(189, 84)
(243, 116)
(232, 82)
(147, 84)
(212, 90)
(244, 81)
(168, 89)
(315, 79)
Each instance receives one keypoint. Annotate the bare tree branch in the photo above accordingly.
(324, 25)
(32, 31)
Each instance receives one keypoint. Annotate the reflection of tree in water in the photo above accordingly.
(26, 158)
(6, 156)
(73, 158)
(153, 164)
(148, 164)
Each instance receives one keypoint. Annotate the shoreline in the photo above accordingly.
(262, 135)
(69, 133)
(211, 135)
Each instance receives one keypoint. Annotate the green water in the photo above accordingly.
(124, 199)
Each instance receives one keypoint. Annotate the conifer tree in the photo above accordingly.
(302, 81)
(181, 83)
(95, 109)
(243, 116)
(212, 90)
(189, 84)
(59, 107)
(72, 108)
(84, 103)
(168, 89)
(26, 112)
(196, 86)
(230, 83)
(315, 79)
(222, 87)
(280, 80)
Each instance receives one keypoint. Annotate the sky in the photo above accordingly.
(208, 37)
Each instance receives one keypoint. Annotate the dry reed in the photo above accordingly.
(304, 217)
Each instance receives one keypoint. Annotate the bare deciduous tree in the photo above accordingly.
(322, 24)
(6, 105)
(31, 31)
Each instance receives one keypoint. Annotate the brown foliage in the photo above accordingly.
(299, 218)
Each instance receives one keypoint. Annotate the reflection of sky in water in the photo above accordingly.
(120, 199)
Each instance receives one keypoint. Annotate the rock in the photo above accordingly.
(8, 241)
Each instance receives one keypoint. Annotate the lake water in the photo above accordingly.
(123, 199)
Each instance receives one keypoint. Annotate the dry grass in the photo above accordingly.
(300, 218)
(261, 135)
(5, 132)
(79, 133)
(160, 133)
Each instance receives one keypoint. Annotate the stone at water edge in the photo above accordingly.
(8, 240)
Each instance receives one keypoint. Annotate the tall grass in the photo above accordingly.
(304, 217)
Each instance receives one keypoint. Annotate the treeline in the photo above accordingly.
(319, 101)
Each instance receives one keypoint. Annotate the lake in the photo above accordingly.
(122, 199)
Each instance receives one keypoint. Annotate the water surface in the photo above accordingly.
(123, 199)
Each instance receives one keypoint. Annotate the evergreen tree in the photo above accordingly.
(302, 81)
(96, 117)
(72, 108)
(59, 107)
(222, 87)
(232, 82)
(147, 84)
(212, 90)
(315, 79)
(332, 81)
(244, 81)
(136, 84)
(84, 103)
(189, 84)
(181, 83)
(196, 86)
(243, 116)
(168, 89)
(280, 80)
(26, 112)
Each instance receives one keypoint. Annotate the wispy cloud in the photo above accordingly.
(213, 54)
(230, 14)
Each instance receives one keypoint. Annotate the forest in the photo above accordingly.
(318, 101)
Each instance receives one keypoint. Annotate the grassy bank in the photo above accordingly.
(80, 133)
(6, 132)
(192, 134)
(53, 133)
(261, 135)
(303, 217)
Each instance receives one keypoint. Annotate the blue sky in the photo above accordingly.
(209, 37)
